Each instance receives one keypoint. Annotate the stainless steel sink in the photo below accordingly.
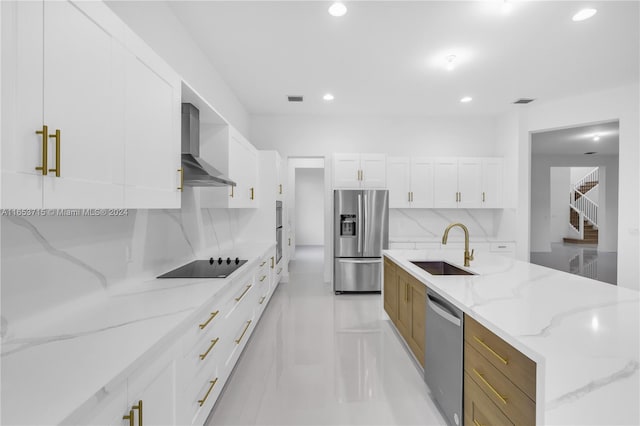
(441, 268)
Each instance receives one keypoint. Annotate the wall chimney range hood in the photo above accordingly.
(197, 172)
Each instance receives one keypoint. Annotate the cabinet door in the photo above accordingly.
(418, 298)
(152, 135)
(492, 177)
(390, 290)
(238, 173)
(445, 186)
(374, 170)
(421, 182)
(157, 396)
(252, 172)
(470, 183)
(346, 171)
(22, 74)
(398, 181)
(84, 98)
(404, 305)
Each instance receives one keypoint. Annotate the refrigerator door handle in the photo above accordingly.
(364, 223)
(360, 220)
(360, 260)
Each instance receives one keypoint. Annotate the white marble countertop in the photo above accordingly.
(583, 334)
(451, 239)
(66, 363)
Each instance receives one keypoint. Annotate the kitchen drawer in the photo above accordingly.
(513, 402)
(200, 396)
(209, 320)
(479, 409)
(203, 358)
(504, 357)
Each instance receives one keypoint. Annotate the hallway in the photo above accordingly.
(321, 359)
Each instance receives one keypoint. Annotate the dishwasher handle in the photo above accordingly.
(437, 307)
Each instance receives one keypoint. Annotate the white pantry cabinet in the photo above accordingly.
(82, 99)
(410, 182)
(468, 183)
(359, 171)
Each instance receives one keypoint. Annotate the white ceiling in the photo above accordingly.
(382, 56)
(577, 140)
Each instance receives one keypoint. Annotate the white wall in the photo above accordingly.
(156, 24)
(559, 203)
(309, 206)
(616, 104)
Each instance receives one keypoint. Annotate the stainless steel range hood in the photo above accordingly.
(197, 172)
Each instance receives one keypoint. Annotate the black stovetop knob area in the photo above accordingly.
(237, 260)
(228, 261)
(219, 261)
(211, 261)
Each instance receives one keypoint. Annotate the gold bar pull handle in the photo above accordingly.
(262, 278)
(253, 193)
(263, 262)
(213, 343)
(262, 299)
(56, 136)
(231, 195)
(44, 132)
(502, 359)
(181, 171)
(129, 417)
(483, 200)
(495, 392)
(289, 241)
(138, 407)
(206, 395)
(211, 317)
(477, 423)
(243, 293)
(280, 188)
(246, 327)
(409, 196)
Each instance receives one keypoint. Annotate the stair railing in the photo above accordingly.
(592, 176)
(580, 229)
(580, 202)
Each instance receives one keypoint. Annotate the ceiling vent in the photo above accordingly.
(295, 98)
(590, 153)
(524, 101)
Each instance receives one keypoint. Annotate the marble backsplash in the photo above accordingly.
(431, 223)
(54, 261)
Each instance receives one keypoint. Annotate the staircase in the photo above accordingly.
(583, 212)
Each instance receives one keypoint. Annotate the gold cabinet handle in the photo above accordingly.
(211, 317)
(243, 293)
(289, 241)
(502, 359)
(44, 132)
(252, 193)
(412, 196)
(213, 343)
(231, 195)
(246, 327)
(138, 407)
(263, 262)
(262, 299)
(273, 260)
(483, 200)
(56, 136)
(495, 392)
(129, 417)
(262, 278)
(181, 171)
(280, 188)
(409, 196)
(477, 423)
(206, 395)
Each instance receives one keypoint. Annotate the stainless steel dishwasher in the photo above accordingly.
(443, 355)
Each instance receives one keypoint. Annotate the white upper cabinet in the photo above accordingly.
(359, 171)
(82, 94)
(410, 182)
(468, 183)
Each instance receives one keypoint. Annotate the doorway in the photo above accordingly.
(574, 200)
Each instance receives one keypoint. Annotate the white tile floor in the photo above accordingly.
(580, 259)
(320, 359)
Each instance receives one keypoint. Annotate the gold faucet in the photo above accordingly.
(467, 256)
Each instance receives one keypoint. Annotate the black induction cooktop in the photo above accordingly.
(212, 268)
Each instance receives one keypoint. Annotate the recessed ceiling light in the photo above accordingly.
(328, 97)
(451, 61)
(596, 137)
(584, 14)
(466, 99)
(337, 9)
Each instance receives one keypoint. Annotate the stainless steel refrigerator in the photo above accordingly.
(361, 232)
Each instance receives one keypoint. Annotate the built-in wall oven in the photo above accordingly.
(278, 231)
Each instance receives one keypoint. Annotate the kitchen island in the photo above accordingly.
(583, 335)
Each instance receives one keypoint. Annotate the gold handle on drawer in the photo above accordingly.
(246, 327)
(483, 200)
(273, 262)
(211, 317)
(231, 195)
(129, 417)
(495, 392)
(44, 132)
(262, 278)
(181, 171)
(289, 241)
(477, 423)
(206, 395)
(280, 188)
(213, 343)
(138, 407)
(56, 136)
(253, 192)
(243, 293)
(502, 359)
(262, 300)
(263, 263)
